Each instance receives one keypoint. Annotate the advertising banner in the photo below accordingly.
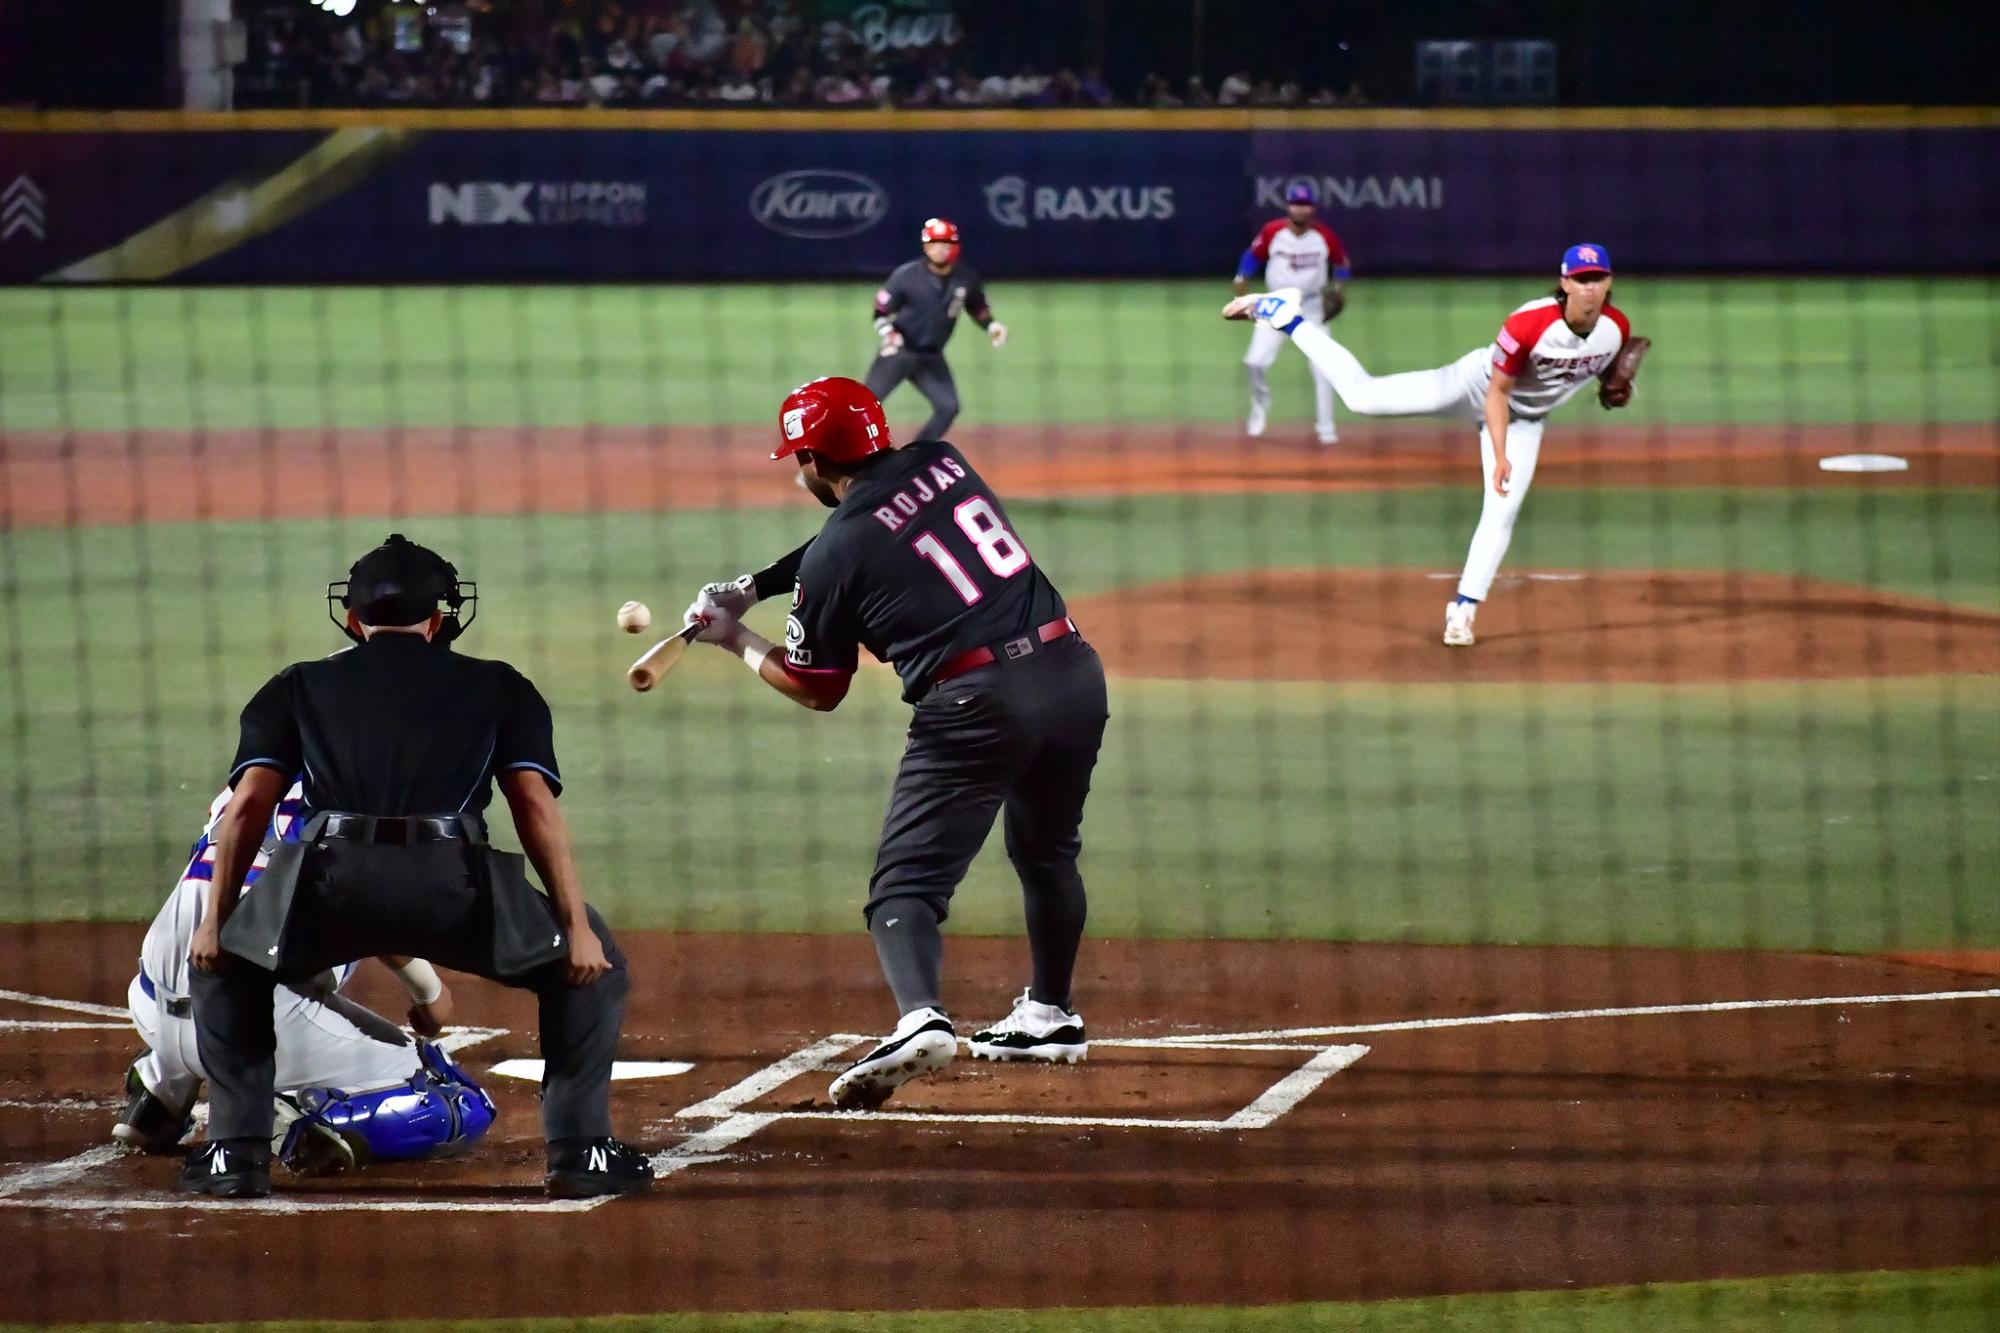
(382, 203)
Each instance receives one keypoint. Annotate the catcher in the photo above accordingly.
(1543, 355)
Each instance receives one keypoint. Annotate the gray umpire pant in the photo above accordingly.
(356, 900)
(926, 370)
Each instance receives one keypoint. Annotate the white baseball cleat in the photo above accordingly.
(1281, 308)
(1458, 623)
(923, 1043)
(1033, 1031)
(1328, 435)
(1254, 427)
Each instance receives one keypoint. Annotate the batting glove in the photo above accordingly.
(892, 339)
(716, 627)
(733, 598)
(997, 332)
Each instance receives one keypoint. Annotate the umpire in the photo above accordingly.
(400, 740)
(915, 313)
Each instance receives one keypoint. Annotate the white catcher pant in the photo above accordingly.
(1265, 344)
(316, 1048)
(1456, 391)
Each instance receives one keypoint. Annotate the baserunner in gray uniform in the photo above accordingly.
(915, 313)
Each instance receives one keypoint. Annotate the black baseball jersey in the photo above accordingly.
(918, 565)
(925, 307)
(398, 726)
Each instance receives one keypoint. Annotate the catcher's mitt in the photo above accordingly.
(1615, 388)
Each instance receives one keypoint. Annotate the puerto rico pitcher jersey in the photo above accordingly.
(918, 565)
(1550, 362)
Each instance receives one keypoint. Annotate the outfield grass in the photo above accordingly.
(1849, 816)
(1737, 350)
(1953, 1300)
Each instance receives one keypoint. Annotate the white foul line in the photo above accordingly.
(1635, 1011)
(59, 1025)
(702, 1147)
(1294, 1087)
(59, 1173)
(771, 1077)
(1203, 1042)
(296, 1204)
(73, 1006)
(1001, 1118)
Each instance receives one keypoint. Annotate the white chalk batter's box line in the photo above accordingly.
(734, 1124)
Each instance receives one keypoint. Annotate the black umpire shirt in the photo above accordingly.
(925, 307)
(398, 726)
(918, 565)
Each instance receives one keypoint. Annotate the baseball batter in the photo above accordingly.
(916, 311)
(1545, 352)
(920, 565)
(1297, 250)
(351, 1086)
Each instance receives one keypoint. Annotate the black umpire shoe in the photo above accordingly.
(230, 1169)
(147, 1123)
(588, 1168)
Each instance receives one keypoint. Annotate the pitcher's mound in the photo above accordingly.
(1563, 627)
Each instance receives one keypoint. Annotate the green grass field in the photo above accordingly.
(1857, 816)
(1747, 351)
(1952, 1300)
(1830, 816)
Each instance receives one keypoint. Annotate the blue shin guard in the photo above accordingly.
(440, 1110)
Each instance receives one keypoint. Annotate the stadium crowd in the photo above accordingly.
(670, 53)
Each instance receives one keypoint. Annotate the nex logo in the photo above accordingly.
(481, 203)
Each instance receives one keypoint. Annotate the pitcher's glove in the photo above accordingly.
(1615, 389)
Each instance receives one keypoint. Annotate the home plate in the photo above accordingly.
(1864, 463)
(531, 1070)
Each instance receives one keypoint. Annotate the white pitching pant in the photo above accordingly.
(1455, 391)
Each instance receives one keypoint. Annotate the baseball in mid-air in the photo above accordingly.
(634, 617)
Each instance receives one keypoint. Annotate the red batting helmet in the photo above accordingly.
(834, 417)
(941, 229)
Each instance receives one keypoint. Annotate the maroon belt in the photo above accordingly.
(1010, 650)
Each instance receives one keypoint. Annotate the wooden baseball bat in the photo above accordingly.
(645, 673)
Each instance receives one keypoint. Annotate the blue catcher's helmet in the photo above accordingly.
(441, 1110)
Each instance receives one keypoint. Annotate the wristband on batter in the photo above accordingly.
(749, 645)
(420, 979)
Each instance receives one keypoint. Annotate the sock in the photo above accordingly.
(1463, 600)
(1055, 929)
(911, 950)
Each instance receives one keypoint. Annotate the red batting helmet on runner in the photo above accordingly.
(941, 229)
(835, 417)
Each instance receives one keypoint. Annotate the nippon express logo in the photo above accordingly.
(819, 205)
(1014, 203)
(538, 203)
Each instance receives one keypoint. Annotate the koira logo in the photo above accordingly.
(819, 205)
